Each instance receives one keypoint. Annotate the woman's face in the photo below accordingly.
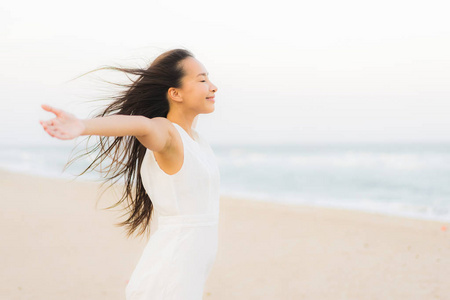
(197, 91)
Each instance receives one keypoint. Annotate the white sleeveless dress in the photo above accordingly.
(180, 253)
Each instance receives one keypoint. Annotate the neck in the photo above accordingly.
(184, 120)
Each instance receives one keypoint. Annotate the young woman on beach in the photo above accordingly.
(169, 169)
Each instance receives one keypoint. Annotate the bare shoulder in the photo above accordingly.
(161, 121)
(162, 124)
(170, 156)
(160, 135)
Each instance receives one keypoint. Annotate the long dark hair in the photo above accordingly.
(146, 96)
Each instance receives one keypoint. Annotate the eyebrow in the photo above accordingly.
(204, 74)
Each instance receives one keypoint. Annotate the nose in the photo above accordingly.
(213, 88)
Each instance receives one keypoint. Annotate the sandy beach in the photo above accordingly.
(58, 243)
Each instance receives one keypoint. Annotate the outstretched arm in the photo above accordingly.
(152, 133)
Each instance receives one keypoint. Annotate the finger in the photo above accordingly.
(52, 109)
(49, 123)
(54, 134)
(49, 132)
(46, 124)
(60, 135)
(51, 128)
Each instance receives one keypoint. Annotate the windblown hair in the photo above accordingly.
(146, 96)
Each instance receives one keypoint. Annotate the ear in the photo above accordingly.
(174, 94)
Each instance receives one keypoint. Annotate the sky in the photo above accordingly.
(286, 71)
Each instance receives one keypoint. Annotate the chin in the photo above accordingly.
(210, 110)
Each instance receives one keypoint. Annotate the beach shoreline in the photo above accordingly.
(59, 245)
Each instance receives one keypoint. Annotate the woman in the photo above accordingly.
(174, 168)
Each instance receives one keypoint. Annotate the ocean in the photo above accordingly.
(409, 180)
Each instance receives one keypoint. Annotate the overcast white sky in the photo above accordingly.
(287, 71)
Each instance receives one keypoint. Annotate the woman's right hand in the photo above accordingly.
(64, 126)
